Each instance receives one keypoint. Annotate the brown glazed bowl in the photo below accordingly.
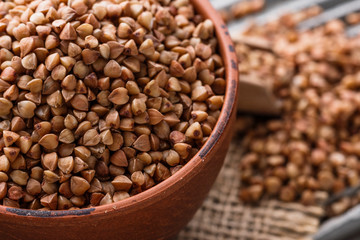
(158, 213)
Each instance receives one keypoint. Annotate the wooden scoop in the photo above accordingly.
(255, 96)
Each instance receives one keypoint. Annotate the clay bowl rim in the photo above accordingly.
(227, 52)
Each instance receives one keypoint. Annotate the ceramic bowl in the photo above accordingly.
(158, 213)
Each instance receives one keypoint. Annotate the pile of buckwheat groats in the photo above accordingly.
(312, 150)
(101, 100)
(242, 9)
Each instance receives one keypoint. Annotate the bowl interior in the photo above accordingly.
(227, 52)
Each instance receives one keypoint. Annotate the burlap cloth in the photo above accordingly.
(223, 216)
